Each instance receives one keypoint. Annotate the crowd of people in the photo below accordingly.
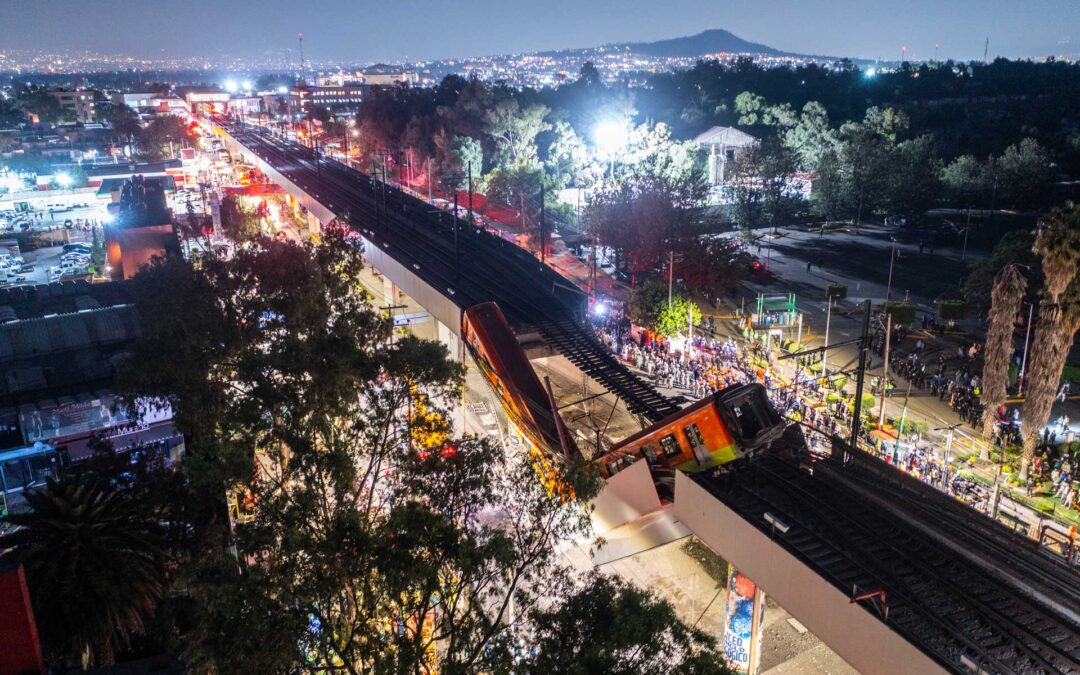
(707, 363)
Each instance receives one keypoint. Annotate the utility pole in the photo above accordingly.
(864, 349)
(428, 180)
(457, 248)
(472, 219)
(543, 227)
(825, 352)
(885, 369)
(892, 259)
(903, 419)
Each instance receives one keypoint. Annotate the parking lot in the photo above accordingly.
(57, 227)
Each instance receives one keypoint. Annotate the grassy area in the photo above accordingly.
(1044, 504)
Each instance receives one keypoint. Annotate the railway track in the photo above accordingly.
(959, 613)
(468, 264)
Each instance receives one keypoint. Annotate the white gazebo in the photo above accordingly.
(723, 144)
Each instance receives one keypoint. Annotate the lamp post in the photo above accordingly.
(1027, 337)
(892, 259)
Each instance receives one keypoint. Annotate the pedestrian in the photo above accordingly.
(808, 264)
(1063, 393)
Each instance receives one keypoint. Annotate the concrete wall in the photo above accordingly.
(626, 496)
(851, 630)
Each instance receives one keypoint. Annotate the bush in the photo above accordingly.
(901, 312)
(952, 310)
(836, 291)
(867, 401)
(1071, 373)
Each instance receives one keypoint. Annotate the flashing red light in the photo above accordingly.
(423, 455)
(449, 451)
(757, 265)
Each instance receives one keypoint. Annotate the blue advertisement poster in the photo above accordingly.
(742, 623)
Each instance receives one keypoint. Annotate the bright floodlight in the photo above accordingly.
(230, 86)
(13, 182)
(282, 90)
(611, 137)
(247, 85)
(870, 72)
(63, 179)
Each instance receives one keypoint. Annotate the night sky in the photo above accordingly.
(361, 30)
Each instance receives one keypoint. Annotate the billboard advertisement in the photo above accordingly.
(742, 623)
(85, 417)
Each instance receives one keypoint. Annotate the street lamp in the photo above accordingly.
(611, 138)
(63, 179)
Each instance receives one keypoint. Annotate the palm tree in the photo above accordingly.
(95, 566)
(1058, 242)
(1009, 287)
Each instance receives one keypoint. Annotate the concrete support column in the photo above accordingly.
(389, 291)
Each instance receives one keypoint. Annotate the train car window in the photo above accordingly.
(650, 453)
(670, 445)
(697, 444)
(693, 434)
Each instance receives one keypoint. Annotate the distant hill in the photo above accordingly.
(714, 41)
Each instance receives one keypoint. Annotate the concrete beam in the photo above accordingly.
(850, 630)
(434, 300)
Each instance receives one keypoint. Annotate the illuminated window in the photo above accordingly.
(693, 434)
(670, 445)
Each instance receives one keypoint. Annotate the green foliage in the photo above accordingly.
(514, 129)
(758, 188)
(901, 312)
(95, 566)
(125, 123)
(457, 157)
(836, 292)
(967, 181)
(358, 533)
(675, 319)
(1014, 247)
(610, 626)
(952, 310)
(1024, 174)
(240, 223)
(567, 156)
(163, 136)
(649, 300)
(811, 137)
(36, 100)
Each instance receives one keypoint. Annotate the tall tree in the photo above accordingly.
(1058, 242)
(514, 129)
(1009, 287)
(95, 565)
(614, 628)
(1025, 174)
(811, 137)
(372, 539)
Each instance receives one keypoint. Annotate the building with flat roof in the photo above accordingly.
(142, 228)
(60, 348)
(80, 102)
